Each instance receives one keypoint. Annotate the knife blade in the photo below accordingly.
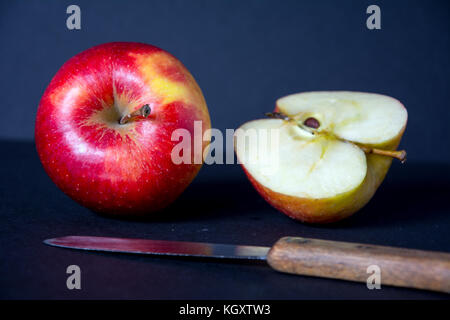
(418, 269)
(160, 247)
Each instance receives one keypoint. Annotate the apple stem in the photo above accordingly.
(398, 154)
(305, 126)
(144, 111)
(277, 115)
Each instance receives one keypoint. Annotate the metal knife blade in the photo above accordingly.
(160, 247)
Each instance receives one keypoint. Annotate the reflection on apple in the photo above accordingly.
(334, 151)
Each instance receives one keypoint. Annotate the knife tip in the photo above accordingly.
(55, 241)
(49, 242)
(61, 241)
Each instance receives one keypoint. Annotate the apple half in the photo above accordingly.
(332, 152)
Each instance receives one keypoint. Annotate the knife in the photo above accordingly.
(311, 257)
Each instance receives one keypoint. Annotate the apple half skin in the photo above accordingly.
(119, 169)
(341, 206)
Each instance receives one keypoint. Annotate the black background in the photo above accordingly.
(244, 55)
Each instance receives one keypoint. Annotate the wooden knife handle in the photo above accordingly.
(350, 261)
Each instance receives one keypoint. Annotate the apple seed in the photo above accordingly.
(312, 123)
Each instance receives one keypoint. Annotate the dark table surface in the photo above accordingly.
(411, 209)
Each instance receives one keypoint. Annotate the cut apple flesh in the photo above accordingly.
(318, 164)
(315, 167)
(355, 116)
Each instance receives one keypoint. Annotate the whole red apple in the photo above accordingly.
(104, 127)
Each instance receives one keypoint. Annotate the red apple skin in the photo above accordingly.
(108, 167)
